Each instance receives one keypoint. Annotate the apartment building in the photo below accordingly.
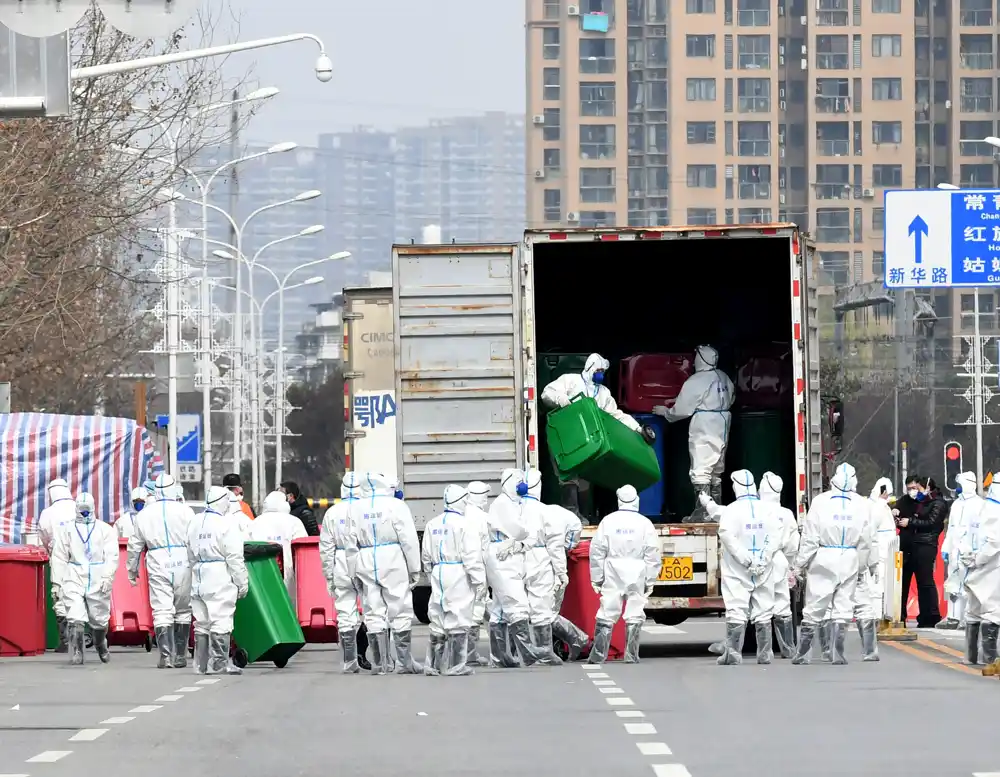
(655, 112)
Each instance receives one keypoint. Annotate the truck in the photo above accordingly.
(473, 322)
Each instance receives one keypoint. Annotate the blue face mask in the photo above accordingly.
(921, 496)
(138, 506)
(958, 490)
(522, 489)
(85, 513)
(398, 493)
(599, 377)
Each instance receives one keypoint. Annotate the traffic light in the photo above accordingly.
(952, 464)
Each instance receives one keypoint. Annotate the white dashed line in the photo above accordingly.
(653, 748)
(170, 697)
(598, 675)
(974, 774)
(639, 729)
(88, 734)
(658, 629)
(609, 691)
(603, 682)
(15, 775)
(620, 701)
(49, 757)
(670, 770)
(208, 681)
(117, 721)
(188, 689)
(147, 708)
(630, 714)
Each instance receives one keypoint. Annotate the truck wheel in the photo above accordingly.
(668, 617)
(421, 599)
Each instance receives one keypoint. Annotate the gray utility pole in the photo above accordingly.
(236, 366)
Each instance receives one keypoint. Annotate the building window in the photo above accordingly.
(833, 225)
(970, 138)
(551, 126)
(754, 52)
(597, 55)
(878, 264)
(976, 176)
(597, 99)
(754, 216)
(987, 307)
(833, 138)
(977, 95)
(832, 52)
(597, 184)
(754, 138)
(701, 216)
(700, 6)
(552, 205)
(833, 95)
(887, 45)
(976, 13)
(550, 43)
(597, 141)
(887, 132)
(887, 175)
(700, 46)
(550, 81)
(833, 182)
(597, 218)
(753, 13)
(887, 89)
(701, 176)
(700, 132)
(975, 52)
(551, 9)
(755, 182)
(886, 6)
(836, 265)
(754, 95)
(878, 220)
(701, 90)
(830, 13)
(552, 159)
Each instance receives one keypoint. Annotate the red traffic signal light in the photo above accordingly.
(952, 464)
(953, 452)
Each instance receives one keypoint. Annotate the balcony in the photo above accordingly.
(833, 104)
(982, 18)
(832, 61)
(755, 148)
(832, 18)
(754, 18)
(833, 147)
(754, 105)
(976, 61)
(755, 191)
(833, 191)
(977, 105)
(833, 234)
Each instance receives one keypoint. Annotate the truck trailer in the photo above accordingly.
(478, 328)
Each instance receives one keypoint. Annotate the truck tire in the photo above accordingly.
(421, 598)
(668, 617)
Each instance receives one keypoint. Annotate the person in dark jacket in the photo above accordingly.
(299, 507)
(920, 517)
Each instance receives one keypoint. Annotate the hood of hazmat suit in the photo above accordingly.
(505, 512)
(479, 494)
(595, 363)
(844, 479)
(350, 486)
(276, 502)
(217, 500)
(744, 486)
(705, 358)
(876, 491)
(138, 495)
(86, 508)
(533, 479)
(59, 489)
(61, 511)
(166, 488)
(456, 499)
(770, 488)
(628, 498)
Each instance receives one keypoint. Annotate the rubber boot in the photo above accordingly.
(785, 630)
(404, 654)
(715, 490)
(349, 651)
(201, 651)
(947, 623)
(101, 645)
(379, 644)
(824, 640)
(602, 642)
(972, 643)
(700, 514)
(869, 640)
(803, 654)
(519, 632)
(75, 640)
(220, 662)
(989, 632)
(512, 651)
(633, 633)
(500, 655)
(717, 648)
(765, 655)
(363, 648)
(182, 637)
(435, 654)
(575, 638)
(164, 644)
(63, 625)
(735, 632)
(541, 636)
(474, 646)
(838, 641)
(456, 653)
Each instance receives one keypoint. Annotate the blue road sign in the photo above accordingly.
(942, 238)
(187, 436)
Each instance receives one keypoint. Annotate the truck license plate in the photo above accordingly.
(676, 569)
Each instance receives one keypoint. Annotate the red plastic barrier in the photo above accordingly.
(913, 604)
(22, 600)
(313, 603)
(131, 614)
(580, 604)
(650, 379)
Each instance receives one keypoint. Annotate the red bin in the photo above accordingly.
(131, 614)
(650, 379)
(313, 603)
(22, 600)
(580, 603)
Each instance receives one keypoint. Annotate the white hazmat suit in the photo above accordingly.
(84, 562)
(388, 567)
(475, 513)
(834, 550)
(570, 526)
(624, 565)
(452, 557)
(705, 398)
(161, 529)
(967, 503)
(218, 578)
(770, 494)
(60, 513)
(277, 524)
(979, 552)
(870, 593)
(339, 555)
(125, 525)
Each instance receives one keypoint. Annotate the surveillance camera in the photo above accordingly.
(324, 68)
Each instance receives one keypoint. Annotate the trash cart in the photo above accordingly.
(314, 606)
(22, 600)
(131, 621)
(266, 628)
(580, 604)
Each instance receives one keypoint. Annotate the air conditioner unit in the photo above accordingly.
(781, 199)
(804, 63)
(781, 48)
(538, 119)
(804, 20)
(572, 10)
(539, 173)
(635, 66)
(782, 105)
(781, 93)
(572, 216)
(781, 60)
(868, 194)
(781, 10)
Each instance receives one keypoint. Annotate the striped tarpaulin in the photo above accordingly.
(106, 456)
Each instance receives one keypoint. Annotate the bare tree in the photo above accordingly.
(76, 200)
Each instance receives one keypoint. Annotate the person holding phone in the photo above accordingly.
(920, 516)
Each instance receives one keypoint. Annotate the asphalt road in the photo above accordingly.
(917, 713)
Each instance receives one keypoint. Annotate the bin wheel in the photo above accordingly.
(421, 601)
(148, 644)
(281, 663)
(240, 658)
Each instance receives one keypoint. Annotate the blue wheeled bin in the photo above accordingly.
(651, 499)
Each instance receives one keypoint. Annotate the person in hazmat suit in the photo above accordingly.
(624, 565)
(125, 525)
(979, 551)
(967, 504)
(569, 525)
(338, 552)
(238, 512)
(277, 524)
(218, 578)
(475, 513)
(55, 518)
(705, 398)
(162, 531)
(452, 556)
(389, 568)
(770, 494)
(868, 597)
(835, 548)
(590, 383)
(505, 564)
(84, 562)
(751, 534)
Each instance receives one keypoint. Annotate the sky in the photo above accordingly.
(396, 62)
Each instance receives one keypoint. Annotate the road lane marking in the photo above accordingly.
(611, 690)
(599, 683)
(620, 701)
(670, 770)
(640, 729)
(188, 689)
(630, 714)
(49, 757)
(117, 721)
(88, 734)
(658, 629)
(942, 648)
(653, 748)
(147, 708)
(923, 655)
(170, 697)
(209, 681)
(598, 675)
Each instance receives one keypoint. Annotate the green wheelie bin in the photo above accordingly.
(550, 367)
(266, 627)
(51, 624)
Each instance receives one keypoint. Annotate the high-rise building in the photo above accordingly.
(655, 112)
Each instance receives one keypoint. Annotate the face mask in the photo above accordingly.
(84, 514)
(958, 490)
(599, 377)
(522, 489)
(912, 493)
(921, 496)
(137, 506)
(398, 493)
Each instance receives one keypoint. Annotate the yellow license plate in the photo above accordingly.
(676, 569)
